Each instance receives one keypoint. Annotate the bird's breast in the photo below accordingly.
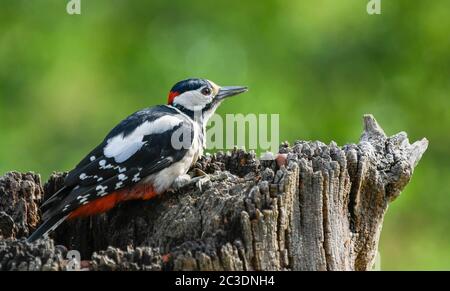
(164, 179)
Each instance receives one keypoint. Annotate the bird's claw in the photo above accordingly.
(202, 181)
(186, 180)
(181, 181)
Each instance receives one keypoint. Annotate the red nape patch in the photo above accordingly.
(103, 204)
(172, 96)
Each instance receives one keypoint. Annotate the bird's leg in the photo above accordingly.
(197, 177)
(181, 181)
(201, 178)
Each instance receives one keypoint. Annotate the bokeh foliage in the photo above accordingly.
(66, 80)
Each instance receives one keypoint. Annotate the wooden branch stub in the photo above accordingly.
(322, 210)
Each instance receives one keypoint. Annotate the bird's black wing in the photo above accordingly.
(138, 147)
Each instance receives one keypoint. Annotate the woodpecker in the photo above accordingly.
(142, 157)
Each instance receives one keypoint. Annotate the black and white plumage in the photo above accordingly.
(141, 157)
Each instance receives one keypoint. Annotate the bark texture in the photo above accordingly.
(316, 207)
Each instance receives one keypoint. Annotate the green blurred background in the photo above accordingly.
(66, 80)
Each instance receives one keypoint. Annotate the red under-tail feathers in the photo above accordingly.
(140, 192)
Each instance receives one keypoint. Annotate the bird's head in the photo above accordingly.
(201, 95)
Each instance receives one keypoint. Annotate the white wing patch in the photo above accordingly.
(122, 148)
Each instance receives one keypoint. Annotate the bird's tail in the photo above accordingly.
(47, 226)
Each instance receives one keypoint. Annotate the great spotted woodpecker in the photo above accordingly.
(143, 156)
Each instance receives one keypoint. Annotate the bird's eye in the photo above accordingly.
(206, 91)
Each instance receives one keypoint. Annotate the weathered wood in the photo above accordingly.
(320, 209)
(20, 195)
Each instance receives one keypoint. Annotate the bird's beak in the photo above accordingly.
(229, 91)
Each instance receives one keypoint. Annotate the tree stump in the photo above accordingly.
(316, 207)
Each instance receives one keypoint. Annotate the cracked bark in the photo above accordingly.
(321, 210)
